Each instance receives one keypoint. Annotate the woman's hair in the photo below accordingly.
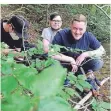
(53, 15)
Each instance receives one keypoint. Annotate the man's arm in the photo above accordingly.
(95, 53)
(65, 58)
(62, 57)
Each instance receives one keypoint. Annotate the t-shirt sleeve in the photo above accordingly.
(46, 35)
(93, 42)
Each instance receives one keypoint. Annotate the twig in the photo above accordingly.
(86, 109)
(102, 11)
(105, 6)
(47, 9)
(85, 106)
(90, 94)
(73, 102)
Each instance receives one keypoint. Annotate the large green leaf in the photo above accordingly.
(25, 75)
(8, 84)
(79, 87)
(64, 95)
(48, 62)
(70, 91)
(105, 105)
(84, 84)
(54, 104)
(18, 102)
(81, 77)
(71, 76)
(49, 81)
(6, 68)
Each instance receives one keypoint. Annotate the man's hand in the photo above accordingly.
(74, 66)
(81, 58)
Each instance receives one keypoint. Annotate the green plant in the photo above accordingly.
(38, 86)
(100, 105)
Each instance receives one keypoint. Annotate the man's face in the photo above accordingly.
(78, 29)
(10, 28)
(12, 32)
(56, 23)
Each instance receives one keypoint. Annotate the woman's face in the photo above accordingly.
(56, 23)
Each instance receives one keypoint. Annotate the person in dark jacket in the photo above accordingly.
(14, 32)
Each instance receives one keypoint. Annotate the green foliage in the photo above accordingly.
(18, 102)
(25, 88)
(49, 62)
(4, 5)
(100, 105)
(78, 86)
(54, 104)
(49, 81)
(84, 84)
(3, 45)
(41, 64)
(8, 84)
(72, 92)
(72, 78)
(6, 69)
(37, 14)
(76, 83)
(79, 81)
(56, 49)
(21, 72)
(81, 77)
(64, 95)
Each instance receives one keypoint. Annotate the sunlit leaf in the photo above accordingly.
(79, 87)
(25, 72)
(70, 91)
(8, 84)
(6, 68)
(49, 81)
(94, 104)
(48, 62)
(64, 95)
(105, 105)
(54, 104)
(84, 84)
(18, 102)
(81, 77)
(72, 77)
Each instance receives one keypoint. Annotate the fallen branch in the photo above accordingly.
(89, 95)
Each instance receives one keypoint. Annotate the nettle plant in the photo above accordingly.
(38, 85)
